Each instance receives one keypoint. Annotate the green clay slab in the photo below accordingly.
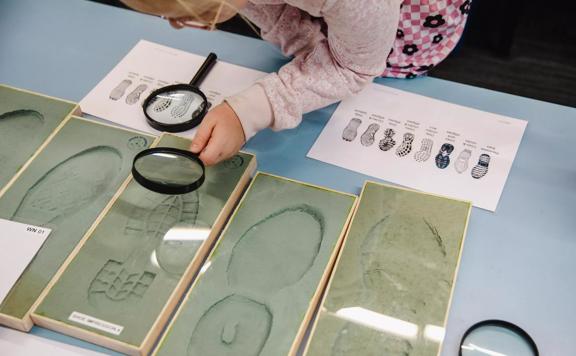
(26, 121)
(65, 188)
(256, 292)
(138, 255)
(392, 284)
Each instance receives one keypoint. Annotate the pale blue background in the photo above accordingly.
(518, 263)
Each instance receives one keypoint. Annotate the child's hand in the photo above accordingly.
(219, 136)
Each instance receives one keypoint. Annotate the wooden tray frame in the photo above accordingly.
(321, 284)
(174, 298)
(25, 323)
(457, 268)
(75, 112)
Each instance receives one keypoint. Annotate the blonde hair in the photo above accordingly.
(200, 10)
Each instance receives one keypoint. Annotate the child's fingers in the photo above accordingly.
(202, 135)
(214, 150)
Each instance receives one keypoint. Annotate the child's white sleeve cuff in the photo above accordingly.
(253, 109)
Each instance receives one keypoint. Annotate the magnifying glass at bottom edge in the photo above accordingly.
(168, 170)
(497, 338)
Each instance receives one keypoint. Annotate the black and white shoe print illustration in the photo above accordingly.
(461, 163)
(387, 142)
(406, 146)
(134, 96)
(367, 138)
(481, 168)
(159, 105)
(182, 106)
(425, 150)
(443, 157)
(119, 91)
(351, 130)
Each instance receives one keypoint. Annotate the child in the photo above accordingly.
(339, 47)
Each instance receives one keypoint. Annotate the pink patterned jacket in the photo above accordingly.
(340, 46)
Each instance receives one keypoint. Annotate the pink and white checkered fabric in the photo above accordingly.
(428, 31)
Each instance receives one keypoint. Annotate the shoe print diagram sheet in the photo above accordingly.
(422, 143)
(149, 66)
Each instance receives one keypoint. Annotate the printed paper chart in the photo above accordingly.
(422, 143)
(149, 66)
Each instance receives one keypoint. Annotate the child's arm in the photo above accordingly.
(325, 69)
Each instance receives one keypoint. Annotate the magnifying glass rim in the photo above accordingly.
(167, 188)
(181, 126)
(504, 324)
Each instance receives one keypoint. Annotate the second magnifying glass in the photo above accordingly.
(168, 170)
(497, 338)
(179, 107)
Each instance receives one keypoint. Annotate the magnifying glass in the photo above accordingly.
(179, 107)
(168, 170)
(497, 338)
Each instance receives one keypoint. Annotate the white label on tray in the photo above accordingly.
(19, 244)
(95, 323)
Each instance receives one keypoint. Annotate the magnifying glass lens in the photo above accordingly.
(175, 106)
(497, 339)
(168, 170)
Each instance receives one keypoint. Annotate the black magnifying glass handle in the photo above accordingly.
(204, 70)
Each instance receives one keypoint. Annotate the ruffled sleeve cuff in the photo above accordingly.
(252, 107)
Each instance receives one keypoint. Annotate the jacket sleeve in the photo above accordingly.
(333, 58)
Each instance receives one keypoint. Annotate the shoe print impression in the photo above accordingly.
(443, 157)
(351, 130)
(70, 186)
(134, 96)
(367, 138)
(120, 89)
(481, 168)
(235, 325)
(461, 163)
(128, 280)
(425, 150)
(241, 325)
(387, 142)
(406, 146)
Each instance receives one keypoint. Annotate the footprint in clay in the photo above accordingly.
(356, 339)
(16, 148)
(116, 283)
(235, 325)
(119, 281)
(279, 249)
(70, 186)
